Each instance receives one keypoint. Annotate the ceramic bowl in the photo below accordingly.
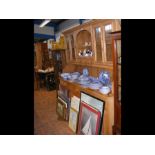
(105, 90)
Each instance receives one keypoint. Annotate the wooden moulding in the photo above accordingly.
(93, 21)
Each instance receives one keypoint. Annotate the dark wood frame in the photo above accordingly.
(117, 107)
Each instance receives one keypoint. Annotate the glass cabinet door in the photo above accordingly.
(108, 41)
(98, 44)
(118, 48)
(68, 49)
(72, 47)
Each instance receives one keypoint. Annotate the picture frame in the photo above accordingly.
(73, 119)
(95, 103)
(89, 120)
(60, 109)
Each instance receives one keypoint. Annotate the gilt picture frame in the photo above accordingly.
(73, 119)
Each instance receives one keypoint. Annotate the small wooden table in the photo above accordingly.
(41, 77)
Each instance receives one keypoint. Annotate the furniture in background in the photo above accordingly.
(59, 61)
(42, 60)
(45, 80)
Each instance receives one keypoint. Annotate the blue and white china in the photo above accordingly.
(93, 79)
(95, 85)
(65, 75)
(83, 77)
(84, 82)
(105, 90)
(75, 75)
(85, 72)
(104, 77)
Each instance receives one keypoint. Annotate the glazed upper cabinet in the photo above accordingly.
(103, 42)
(83, 38)
(70, 48)
(91, 43)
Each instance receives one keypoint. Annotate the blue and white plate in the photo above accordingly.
(95, 85)
(104, 77)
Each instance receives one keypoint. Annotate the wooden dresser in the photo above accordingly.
(92, 36)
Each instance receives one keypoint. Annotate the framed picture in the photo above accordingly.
(95, 103)
(89, 120)
(73, 119)
(75, 102)
(60, 109)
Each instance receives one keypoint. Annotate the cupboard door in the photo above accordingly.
(98, 44)
(68, 58)
(72, 47)
(107, 29)
(118, 49)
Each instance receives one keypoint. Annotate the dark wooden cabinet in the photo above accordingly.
(116, 41)
(59, 61)
(41, 58)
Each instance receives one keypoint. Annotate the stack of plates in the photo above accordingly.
(95, 85)
(84, 80)
(93, 79)
(75, 75)
(65, 75)
(83, 77)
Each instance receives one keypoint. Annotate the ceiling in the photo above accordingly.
(53, 23)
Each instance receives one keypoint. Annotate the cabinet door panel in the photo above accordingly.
(108, 41)
(72, 47)
(98, 44)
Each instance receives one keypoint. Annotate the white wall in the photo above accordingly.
(44, 30)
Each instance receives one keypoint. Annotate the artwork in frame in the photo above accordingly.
(95, 103)
(89, 120)
(73, 119)
(60, 109)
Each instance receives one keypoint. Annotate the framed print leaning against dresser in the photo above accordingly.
(73, 119)
(89, 120)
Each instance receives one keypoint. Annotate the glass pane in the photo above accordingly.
(98, 44)
(119, 74)
(72, 44)
(118, 46)
(68, 51)
(119, 93)
(108, 41)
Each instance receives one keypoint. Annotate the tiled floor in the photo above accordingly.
(45, 118)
